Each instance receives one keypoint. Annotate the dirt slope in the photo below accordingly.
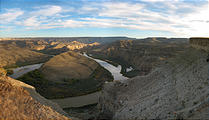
(68, 65)
(11, 56)
(20, 101)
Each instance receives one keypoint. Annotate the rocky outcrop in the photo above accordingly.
(200, 43)
(77, 45)
(20, 101)
(177, 89)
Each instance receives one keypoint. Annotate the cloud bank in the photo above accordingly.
(177, 17)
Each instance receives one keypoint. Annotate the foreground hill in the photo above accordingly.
(20, 101)
(68, 74)
(69, 65)
(12, 56)
(178, 89)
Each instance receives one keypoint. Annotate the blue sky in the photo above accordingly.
(131, 18)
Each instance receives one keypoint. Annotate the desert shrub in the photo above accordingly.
(3, 72)
(9, 72)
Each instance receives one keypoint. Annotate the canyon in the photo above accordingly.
(161, 78)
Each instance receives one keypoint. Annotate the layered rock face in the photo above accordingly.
(58, 45)
(20, 101)
(200, 43)
(49, 46)
(74, 45)
(176, 89)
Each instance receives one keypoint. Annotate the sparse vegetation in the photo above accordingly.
(68, 87)
(194, 103)
(3, 72)
(9, 72)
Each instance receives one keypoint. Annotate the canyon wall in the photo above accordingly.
(177, 89)
(143, 55)
(200, 43)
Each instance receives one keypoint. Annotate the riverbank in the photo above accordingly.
(111, 68)
(17, 72)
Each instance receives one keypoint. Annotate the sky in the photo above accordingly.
(102, 18)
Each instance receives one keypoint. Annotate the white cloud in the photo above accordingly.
(10, 16)
(47, 11)
(177, 20)
(159, 0)
(72, 23)
(37, 18)
(32, 21)
(120, 9)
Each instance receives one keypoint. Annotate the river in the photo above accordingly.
(78, 101)
(17, 72)
(114, 70)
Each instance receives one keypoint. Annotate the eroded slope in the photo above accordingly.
(20, 101)
(177, 89)
(12, 56)
(143, 55)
